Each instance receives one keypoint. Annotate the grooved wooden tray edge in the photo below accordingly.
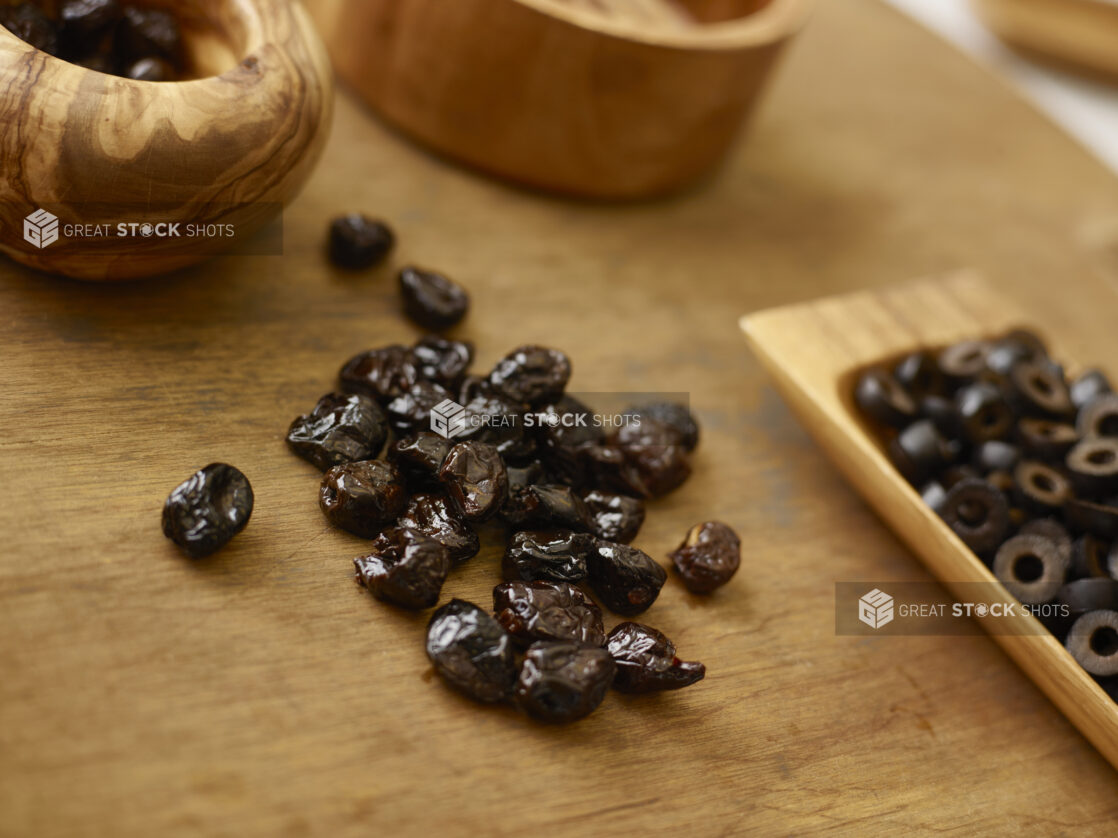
(810, 350)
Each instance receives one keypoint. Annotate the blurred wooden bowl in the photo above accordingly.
(229, 148)
(601, 98)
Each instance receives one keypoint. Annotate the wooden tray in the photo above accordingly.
(811, 350)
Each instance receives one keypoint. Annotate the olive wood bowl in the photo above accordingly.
(229, 147)
(597, 98)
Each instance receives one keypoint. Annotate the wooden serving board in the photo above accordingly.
(814, 351)
(262, 693)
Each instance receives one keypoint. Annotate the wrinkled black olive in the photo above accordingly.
(708, 557)
(532, 611)
(432, 300)
(626, 579)
(420, 457)
(358, 242)
(204, 512)
(673, 415)
(410, 412)
(558, 555)
(546, 507)
(1031, 567)
(443, 361)
(563, 682)
(433, 516)
(881, 398)
(613, 517)
(656, 461)
(532, 375)
(646, 661)
(534, 472)
(565, 430)
(405, 567)
(977, 513)
(490, 417)
(471, 651)
(342, 428)
(363, 497)
(476, 480)
(383, 373)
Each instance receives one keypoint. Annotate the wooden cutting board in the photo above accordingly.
(262, 693)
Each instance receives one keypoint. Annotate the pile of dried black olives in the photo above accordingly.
(109, 36)
(1022, 463)
(569, 492)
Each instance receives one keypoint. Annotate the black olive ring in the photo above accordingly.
(1031, 567)
(1093, 642)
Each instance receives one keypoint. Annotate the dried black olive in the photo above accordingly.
(656, 460)
(1089, 558)
(646, 661)
(433, 516)
(566, 430)
(708, 557)
(1045, 439)
(1031, 567)
(405, 567)
(443, 361)
(1088, 387)
(613, 517)
(363, 497)
(410, 412)
(358, 242)
(420, 457)
(1093, 642)
(539, 610)
(432, 300)
(546, 507)
(532, 375)
(919, 451)
(476, 480)
(28, 23)
(977, 513)
(963, 360)
(673, 415)
(563, 682)
(919, 375)
(1039, 389)
(342, 428)
(996, 455)
(490, 417)
(534, 472)
(1098, 417)
(84, 23)
(881, 398)
(558, 556)
(471, 651)
(626, 579)
(383, 373)
(983, 412)
(1041, 488)
(205, 511)
(1093, 465)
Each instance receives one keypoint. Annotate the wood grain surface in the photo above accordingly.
(262, 693)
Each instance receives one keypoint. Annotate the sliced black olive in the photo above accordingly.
(977, 513)
(1093, 642)
(1031, 568)
(882, 399)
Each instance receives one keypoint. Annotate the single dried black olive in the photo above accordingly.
(358, 242)
(342, 428)
(532, 611)
(443, 361)
(563, 682)
(882, 399)
(1045, 439)
(471, 651)
(1093, 465)
(531, 473)
(1051, 529)
(1039, 389)
(919, 451)
(410, 412)
(996, 455)
(565, 430)
(405, 567)
(383, 373)
(919, 375)
(476, 480)
(1098, 519)
(656, 460)
(363, 497)
(546, 507)
(983, 412)
(1098, 417)
(490, 417)
(676, 416)
(1041, 488)
(432, 300)
(1031, 567)
(558, 556)
(613, 517)
(963, 360)
(1089, 558)
(1088, 387)
(433, 516)
(626, 579)
(206, 510)
(533, 375)
(977, 513)
(419, 458)
(84, 23)
(708, 557)
(646, 661)
(1093, 642)
(28, 23)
